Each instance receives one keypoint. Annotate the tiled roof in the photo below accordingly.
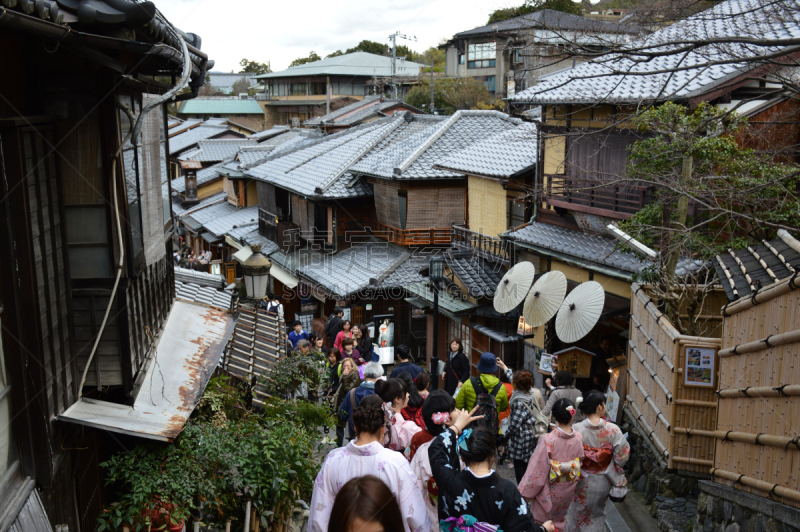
(618, 79)
(757, 266)
(204, 176)
(215, 150)
(198, 219)
(219, 106)
(269, 133)
(183, 126)
(220, 226)
(447, 303)
(255, 238)
(416, 147)
(297, 260)
(204, 295)
(590, 248)
(187, 275)
(370, 106)
(501, 155)
(181, 211)
(248, 156)
(407, 272)
(479, 276)
(173, 121)
(184, 140)
(354, 64)
(320, 168)
(553, 20)
(350, 271)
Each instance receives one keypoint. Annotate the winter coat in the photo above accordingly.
(564, 392)
(466, 397)
(346, 383)
(455, 371)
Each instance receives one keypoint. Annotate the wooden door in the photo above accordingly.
(230, 272)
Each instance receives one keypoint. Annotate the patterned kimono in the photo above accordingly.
(552, 476)
(401, 431)
(352, 461)
(588, 510)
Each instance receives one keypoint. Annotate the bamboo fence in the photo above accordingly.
(758, 426)
(258, 340)
(664, 407)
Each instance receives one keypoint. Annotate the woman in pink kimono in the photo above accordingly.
(394, 393)
(366, 455)
(606, 452)
(555, 468)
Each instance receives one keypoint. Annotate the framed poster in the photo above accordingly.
(546, 364)
(698, 367)
(612, 405)
(346, 313)
(383, 341)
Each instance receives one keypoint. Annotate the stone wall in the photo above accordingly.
(724, 509)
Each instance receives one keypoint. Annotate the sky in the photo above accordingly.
(280, 31)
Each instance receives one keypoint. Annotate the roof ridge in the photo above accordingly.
(447, 124)
(350, 161)
(326, 151)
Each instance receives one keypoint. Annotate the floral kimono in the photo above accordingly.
(606, 451)
(552, 476)
(401, 430)
(351, 461)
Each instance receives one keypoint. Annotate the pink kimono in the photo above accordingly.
(552, 475)
(402, 430)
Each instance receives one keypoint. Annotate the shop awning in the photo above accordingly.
(232, 242)
(494, 335)
(243, 254)
(210, 237)
(190, 348)
(288, 280)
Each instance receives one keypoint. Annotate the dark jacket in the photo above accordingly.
(346, 383)
(334, 377)
(346, 410)
(409, 367)
(492, 499)
(332, 328)
(365, 348)
(455, 371)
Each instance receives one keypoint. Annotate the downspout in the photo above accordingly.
(133, 135)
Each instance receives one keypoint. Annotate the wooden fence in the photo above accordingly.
(258, 340)
(758, 427)
(662, 404)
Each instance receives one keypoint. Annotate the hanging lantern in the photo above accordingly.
(436, 269)
(256, 273)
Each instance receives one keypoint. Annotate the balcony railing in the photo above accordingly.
(617, 201)
(413, 237)
(484, 246)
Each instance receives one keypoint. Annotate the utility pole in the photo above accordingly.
(393, 37)
(433, 109)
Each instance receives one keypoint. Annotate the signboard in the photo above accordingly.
(511, 87)
(346, 313)
(590, 222)
(612, 405)
(384, 338)
(418, 313)
(546, 364)
(698, 367)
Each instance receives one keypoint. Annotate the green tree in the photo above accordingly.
(337, 53)
(531, 6)
(408, 53)
(255, 67)
(371, 47)
(312, 56)
(240, 86)
(449, 95)
(692, 156)
(435, 55)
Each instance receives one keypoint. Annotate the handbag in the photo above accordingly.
(540, 422)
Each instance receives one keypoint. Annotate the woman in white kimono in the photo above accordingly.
(605, 453)
(366, 455)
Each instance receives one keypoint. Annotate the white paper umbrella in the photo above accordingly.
(514, 287)
(580, 311)
(544, 298)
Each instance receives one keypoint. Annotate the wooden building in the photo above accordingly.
(85, 247)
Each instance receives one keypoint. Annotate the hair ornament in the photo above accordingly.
(579, 400)
(440, 418)
(462, 440)
(571, 410)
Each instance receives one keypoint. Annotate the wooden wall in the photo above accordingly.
(761, 419)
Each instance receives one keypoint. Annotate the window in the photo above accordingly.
(456, 329)
(516, 55)
(488, 82)
(131, 168)
(481, 55)
(318, 88)
(297, 89)
(461, 59)
(516, 213)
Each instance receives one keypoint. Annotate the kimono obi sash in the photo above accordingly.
(466, 523)
(597, 459)
(565, 471)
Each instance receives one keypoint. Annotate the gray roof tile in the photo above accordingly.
(479, 276)
(269, 133)
(501, 155)
(651, 79)
(199, 218)
(554, 20)
(354, 64)
(355, 113)
(253, 237)
(204, 295)
(220, 226)
(215, 150)
(187, 139)
(204, 176)
(751, 265)
(180, 211)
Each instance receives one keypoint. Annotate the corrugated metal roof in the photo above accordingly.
(354, 64)
(204, 295)
(189, 348)
(552, 20)
(222, 224)
(219, 106)
(502, 155)
(185, 275)
(658, 78)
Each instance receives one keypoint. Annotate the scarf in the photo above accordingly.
(519, 395)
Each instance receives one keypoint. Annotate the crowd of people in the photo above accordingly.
(411, 459)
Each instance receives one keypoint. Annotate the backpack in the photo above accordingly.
(273, 307)
(537, 420)
(487, 406)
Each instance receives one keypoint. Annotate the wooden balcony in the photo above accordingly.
(487, 247)
(618, 201)
(412, 237)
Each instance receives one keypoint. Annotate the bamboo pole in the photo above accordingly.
(744, 437)
(762, 391)
(652, 373)
(693, 402)
(650, 401)
(662, 356)
(692, 461)
(761, 296)
(789, 337)
(650, 306)
(751, 482)
(651, 433)
(246, 526)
